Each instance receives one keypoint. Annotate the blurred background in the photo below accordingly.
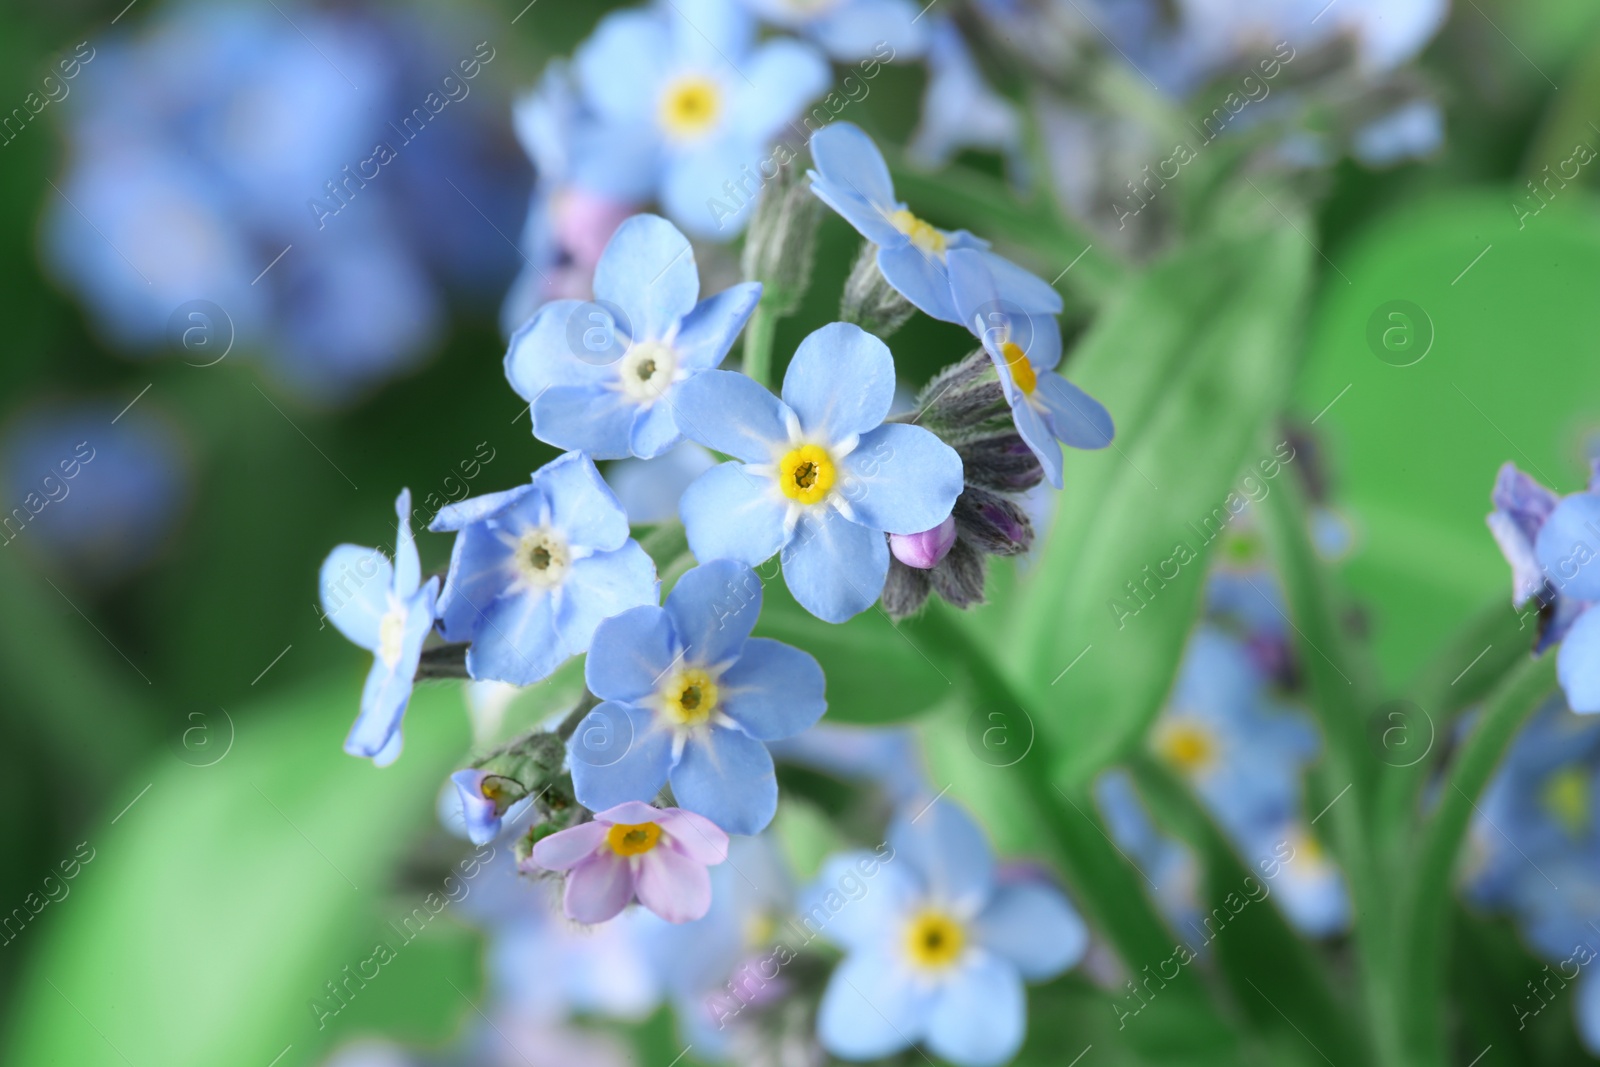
(241, 352)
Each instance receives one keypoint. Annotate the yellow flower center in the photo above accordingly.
(805, 474)
(1021, 369)
(1186, 745)
(501, 792)
(925, 236)
(633, 839)
(690, 106)
(934, 939)
(689, 697)
(1566, 796)
(391, 635)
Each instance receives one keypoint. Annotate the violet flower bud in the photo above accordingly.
(924, 550)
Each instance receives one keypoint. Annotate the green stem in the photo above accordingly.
(758, 336)
(1425, 899)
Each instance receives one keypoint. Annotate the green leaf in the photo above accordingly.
(219, 903)
(1192, 364)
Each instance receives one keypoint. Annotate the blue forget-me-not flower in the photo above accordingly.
(694, 696)
(600, 376)
(534, 570)
(387, 609)
(849, 30)
(820, 476)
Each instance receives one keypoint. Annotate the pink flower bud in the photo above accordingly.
(924, 550)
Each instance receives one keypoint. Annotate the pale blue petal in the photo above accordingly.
(655, 430)
(354, 586)
(1020, 286)
(870, 1009)
(774, 691)
(713, 608)
(919, 277)
(695, 192)
(391, 751)
(855, 31)
(649, 489)
(582, 505)
(834, 567)
(476, 509)
(388, 689)
(621, 65)
(948, 849)
(407, 566)
(630, 653)
(1078, 419)
(479, 572)
(1578, 663)
(711, 34)
(619, 159)
(516, 641)
(709, 330)
(615, 756)
(901, 479)
(845, 156)
(980, 1015)
(1036, 431)
(1032, 925)
(780, 78)
(648, 270)
(995, 317)
(728, 778)
(544, 352)
(870, 220)
(1568, 546)
(603, 585)
(836, 907)
(729, 513)
(584, 418)
(1588, 1012)
(840, 382)
(732, 414)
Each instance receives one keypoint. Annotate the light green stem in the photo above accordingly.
(758, 336)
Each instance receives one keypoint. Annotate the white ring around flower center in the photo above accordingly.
(542, 557)
(392, 635)
(647, 371)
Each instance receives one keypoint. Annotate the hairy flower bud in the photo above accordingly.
(992, 523)
(781, 242)
(869, 301)
(1003, 462)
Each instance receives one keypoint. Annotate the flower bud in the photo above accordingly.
(781, 242)
(924, 550)
(869, 301)
(1003, 462)
(992, 523)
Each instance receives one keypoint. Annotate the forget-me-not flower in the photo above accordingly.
(938, 948)
(852, 178)
(850, 30)
(1026, 347)
(1566, 567)
(694, 696)
(487, 801)
(600, 377)
(689, 102)
(534, 570)
(820, 476)
(388, 610)
(960, 109)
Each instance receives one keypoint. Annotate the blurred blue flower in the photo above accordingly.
(700, 696)
(92, 497)
(822, 477)
(850, 30)
(601, 377)
(386, 609)
(937, 948)
(1168, 864)
(959, 108)
(690, 102)
(886, 756)
(1049, 411)
(650, 489)
(1566, 551)
(534, 570)
(1413, 130)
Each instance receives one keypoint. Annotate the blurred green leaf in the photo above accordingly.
(219, 903)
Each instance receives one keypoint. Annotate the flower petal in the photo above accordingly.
(728, 778)
(729, 513)
(631, 812)
(541, 354)
(621, 63)
(980, 1015)
(603, 585)
(648, 270)
(587, 418)
(582, 505)
(615, 756)
(516, 641)
(478, 575)
(840, 382)
(854, 32)
(921, 278)
(629, 654)
(673, 886)
(388, 688)
(835, 568)
(1078, 419)
(407, 566)
(598, 889)
(781, 77)
(1039, 436)
(948, 849)
(732, 414)
(1578, 663)
(845, 156)
(460, 515)
(654, 432)
(694, 186)
(867, 919)
(901, 479)
(1020, 286)
(354, 586)
(1032, 925)
(694, 835)
(774, 691)
(709, 330)
(565, 849)
(1568, 546)
(871, 1009)
(714, 607)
